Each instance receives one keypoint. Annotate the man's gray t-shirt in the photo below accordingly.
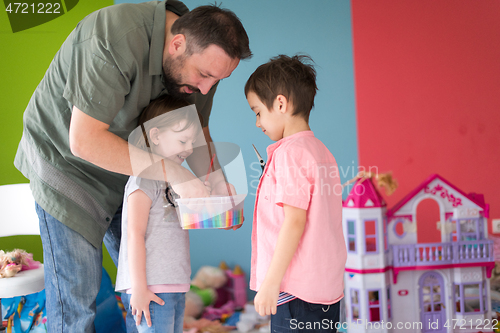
(167, 244)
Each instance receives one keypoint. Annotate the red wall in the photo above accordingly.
(427, 77)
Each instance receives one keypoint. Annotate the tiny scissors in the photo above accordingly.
(261, 160)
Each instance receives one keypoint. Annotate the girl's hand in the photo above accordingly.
(266, 300)
(208, 186)
(139, 302)
(224, 188)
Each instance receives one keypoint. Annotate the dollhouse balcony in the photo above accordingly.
(443, 255)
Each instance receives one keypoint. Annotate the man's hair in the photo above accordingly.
(160, 109)
(293, 77)
(207, 25)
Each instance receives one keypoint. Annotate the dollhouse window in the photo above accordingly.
(399, 229)
(470, 298)
(370, 236)
(431, 298)
(469, 229)
(386, 243)
(484, 296)
(458, 307)
(453, 235)
(351, 236)
(355, 304)
(374, 305)
(389, 313)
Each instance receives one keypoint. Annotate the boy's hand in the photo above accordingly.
(139, 302)
(235, 227)
(266, 300)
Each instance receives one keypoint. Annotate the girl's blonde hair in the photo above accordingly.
(158, 114)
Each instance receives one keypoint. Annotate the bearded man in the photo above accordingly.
(74, 150)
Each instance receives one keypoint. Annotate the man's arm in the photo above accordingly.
(90, 140)
(288, 240)
(200, 161)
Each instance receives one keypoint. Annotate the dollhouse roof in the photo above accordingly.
(364, 195)
(476, 198)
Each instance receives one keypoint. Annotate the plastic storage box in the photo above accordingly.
(211, 212)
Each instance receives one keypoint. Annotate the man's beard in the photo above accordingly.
(172, 78)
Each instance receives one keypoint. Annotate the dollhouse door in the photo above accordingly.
(432, 309)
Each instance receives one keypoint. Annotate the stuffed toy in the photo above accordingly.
(13, 262)
(203, 290)
(384, 180)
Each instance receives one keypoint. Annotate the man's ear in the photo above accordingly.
(153, 136)
(177, 45)
(281, 104)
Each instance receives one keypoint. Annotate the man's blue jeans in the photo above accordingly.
(300, 316)
(112, 241)
(73, 269)
(167, 318)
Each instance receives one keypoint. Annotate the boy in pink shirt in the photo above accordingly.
(298, 248)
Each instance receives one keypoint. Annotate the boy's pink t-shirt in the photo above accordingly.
(301, 172)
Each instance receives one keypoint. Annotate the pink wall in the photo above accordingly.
(427, 76)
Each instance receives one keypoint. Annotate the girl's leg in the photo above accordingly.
(167, 318)
(179, 312)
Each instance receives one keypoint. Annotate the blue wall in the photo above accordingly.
(321, 29)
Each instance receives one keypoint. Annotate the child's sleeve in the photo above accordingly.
(148, 186)
(293, 186)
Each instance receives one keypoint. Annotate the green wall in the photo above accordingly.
(25, 56)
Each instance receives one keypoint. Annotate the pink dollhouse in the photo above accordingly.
(430, 276)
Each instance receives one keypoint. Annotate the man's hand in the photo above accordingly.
(266, 300)
(139, 303)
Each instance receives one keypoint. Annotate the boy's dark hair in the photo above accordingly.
(292, 77)
(206, 25)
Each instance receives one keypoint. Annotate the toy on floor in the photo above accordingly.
(203, 291)
(13, 262)
(235, 289)
(206, 326)
(250, 319)
(215, 294)
(222, 313)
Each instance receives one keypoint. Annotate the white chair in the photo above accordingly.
(18, 217)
